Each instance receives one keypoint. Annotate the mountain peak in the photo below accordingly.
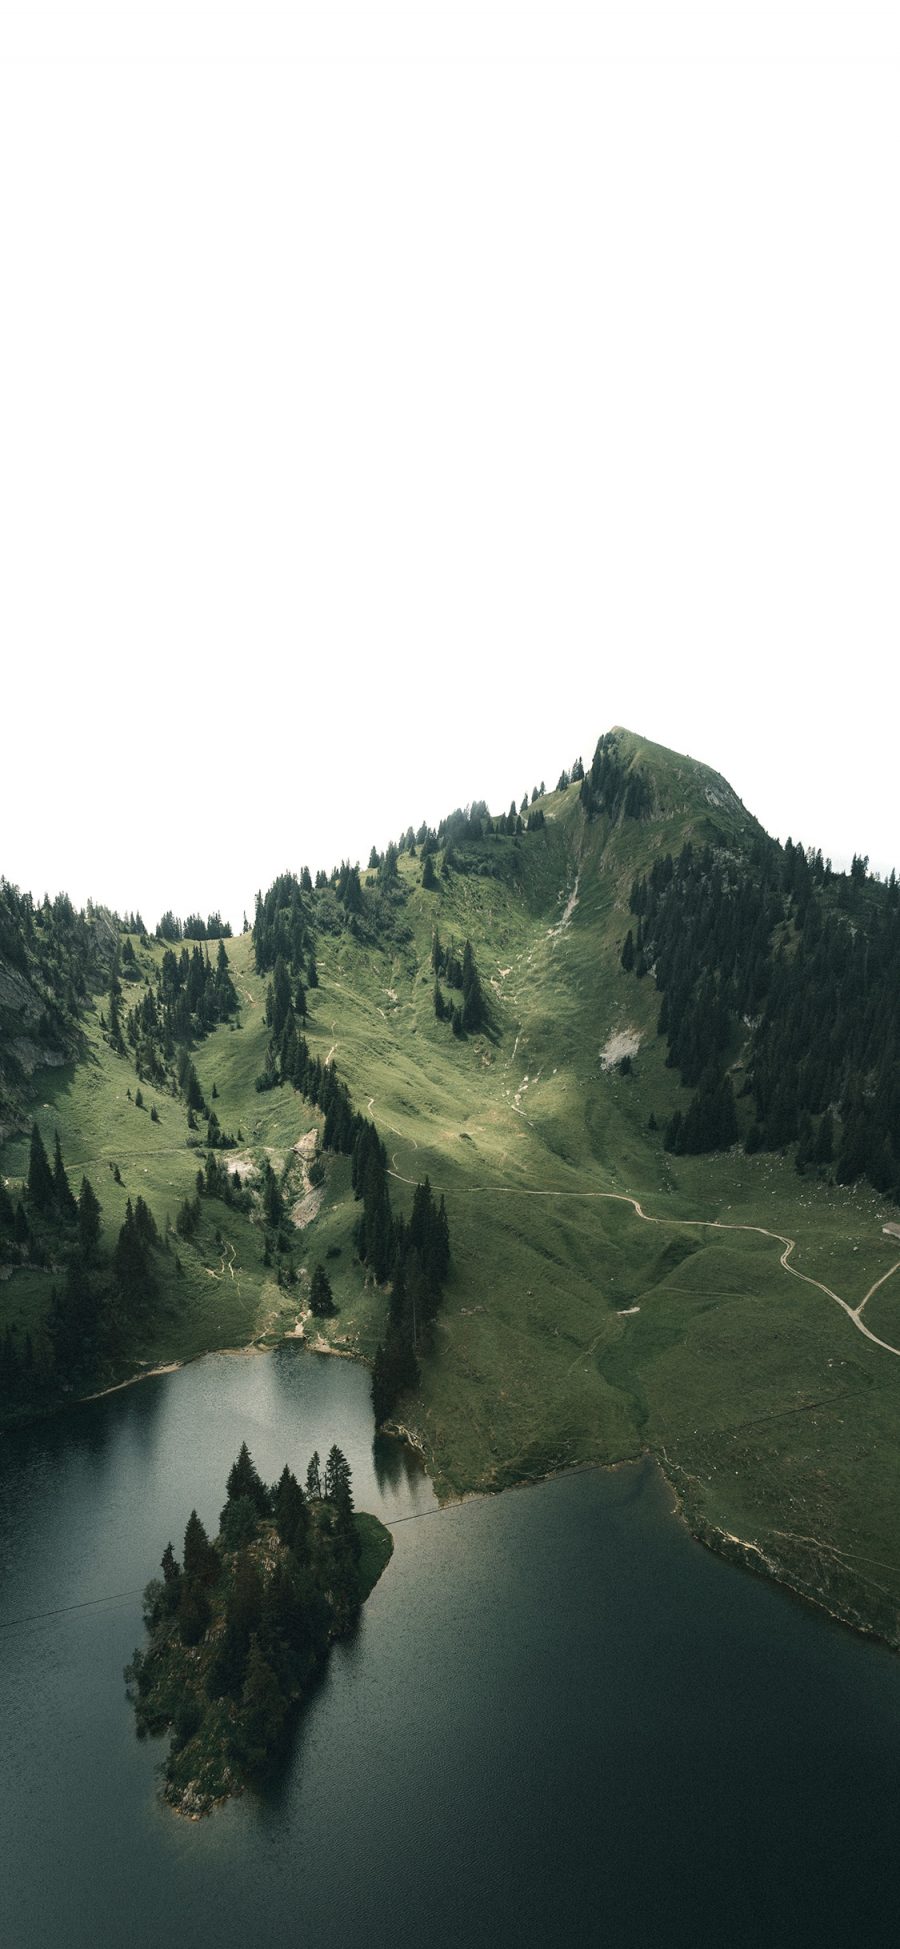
(681, 785)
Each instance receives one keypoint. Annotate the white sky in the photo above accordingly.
(392, 399)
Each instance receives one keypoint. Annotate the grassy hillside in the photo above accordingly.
(573, 1330)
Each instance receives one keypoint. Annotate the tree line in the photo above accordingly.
(459, 971)
(56, 958)
(189, 998)
(413, 1255)
(195, 928)
(97, 1298)
(776, 950)
(610, 786)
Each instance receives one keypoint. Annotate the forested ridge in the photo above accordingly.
(53, 958)
(774, 957)
(96, 1296)
(413, 1255)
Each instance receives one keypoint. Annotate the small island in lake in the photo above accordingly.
(239, 1628)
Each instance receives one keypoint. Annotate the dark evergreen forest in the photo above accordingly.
(775, 959)
(239, 1627)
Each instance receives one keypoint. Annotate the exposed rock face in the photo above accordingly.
(15, 993)
(51, 961)
(32, 1055)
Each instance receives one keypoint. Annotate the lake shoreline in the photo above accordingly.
(742, 1552)
(747, 1555)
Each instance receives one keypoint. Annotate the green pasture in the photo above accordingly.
(572, 1330)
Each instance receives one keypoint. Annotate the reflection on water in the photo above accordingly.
(396, 1467)
(89, 1500)
(558, 1720)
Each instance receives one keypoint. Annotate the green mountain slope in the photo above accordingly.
(606, 1295)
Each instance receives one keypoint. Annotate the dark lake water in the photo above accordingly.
(560, 1720)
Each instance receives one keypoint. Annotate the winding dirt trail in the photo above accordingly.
(709, 1224)
(879, 1282)
(404, 1140)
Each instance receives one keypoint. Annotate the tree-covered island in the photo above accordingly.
(239, 1628)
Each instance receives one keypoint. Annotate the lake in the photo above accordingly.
(560, 1720)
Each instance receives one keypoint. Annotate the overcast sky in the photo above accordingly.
(394, 399)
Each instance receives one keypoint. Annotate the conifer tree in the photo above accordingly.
(281, 993)
(65, 1202)
(115, 1022)
(170, 1565)
(337, 1477)
(132, 1258)
(473, 1010)
(89, 1213)
(201, 1562)
(321, 1301)
(244, 1480)
(273, 1202)
(290, 1510)
(41, 1188)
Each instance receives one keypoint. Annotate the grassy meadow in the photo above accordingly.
(573, 1331)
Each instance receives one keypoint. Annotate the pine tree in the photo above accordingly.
(273, 1202)
(473, 1009)
(89, 1213)
(115, 1023)
(132, 1259)
(337, 1477)
(170, 1565)
(290, 1511)
(65, 1202)
(244, 1480)
(321, 1300)
(281, 993)
(201, 1562)
(41, 1189)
